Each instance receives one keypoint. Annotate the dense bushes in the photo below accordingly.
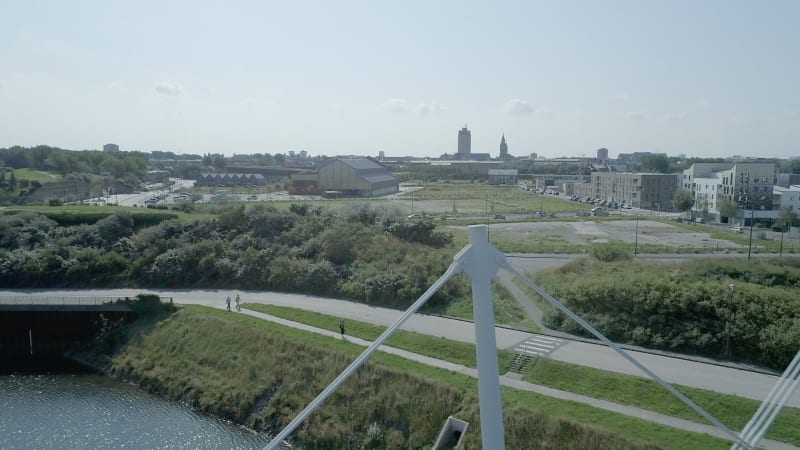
(686, 306)
(308, 250)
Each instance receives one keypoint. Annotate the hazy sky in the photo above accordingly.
(560, 78)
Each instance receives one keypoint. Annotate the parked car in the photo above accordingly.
(498, 216)
(252, 197)
(598, 211)
(415, 216)
(737, 229)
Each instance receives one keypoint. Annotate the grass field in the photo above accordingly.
(483, 199)
(620, 388)
(35, 175)
(92, 213)
(440, 348)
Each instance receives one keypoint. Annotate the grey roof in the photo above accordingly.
(361, 163)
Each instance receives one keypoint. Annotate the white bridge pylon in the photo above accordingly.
(481, 261)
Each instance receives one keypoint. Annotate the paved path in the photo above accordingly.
(691, 373)
(510, 381)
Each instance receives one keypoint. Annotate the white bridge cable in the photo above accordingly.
(454, 269)
(625, 355)
(768, 411)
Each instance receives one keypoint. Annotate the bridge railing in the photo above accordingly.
(60, 301)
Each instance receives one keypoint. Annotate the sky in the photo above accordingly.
(559, 78)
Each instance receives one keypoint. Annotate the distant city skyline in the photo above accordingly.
(708, 79)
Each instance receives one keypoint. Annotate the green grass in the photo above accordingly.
(440, 348)
(733, 411)
(226, 364)
(35, 175)
(507, 311)
(92, 213)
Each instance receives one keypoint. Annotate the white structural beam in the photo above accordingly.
(773, 404)
(288, 429)
(481, 262)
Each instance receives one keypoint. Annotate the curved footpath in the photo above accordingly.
(679, 370)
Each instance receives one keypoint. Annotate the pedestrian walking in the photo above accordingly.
(228, 302)
(341, 328)
(238, 307)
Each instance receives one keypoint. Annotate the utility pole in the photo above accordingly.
(636, 239)
(486, 213)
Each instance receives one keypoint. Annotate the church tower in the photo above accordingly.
(503, 148)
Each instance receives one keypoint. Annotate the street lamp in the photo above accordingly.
(636, 239)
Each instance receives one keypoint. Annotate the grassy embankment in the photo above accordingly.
(35, 175)
(261, 374)
(441, 348)
(615, 387)
(88, 214)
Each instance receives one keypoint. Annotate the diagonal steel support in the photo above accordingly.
(552, 300)
(275, 443)
(783, 389)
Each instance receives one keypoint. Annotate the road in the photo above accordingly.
(686, 372)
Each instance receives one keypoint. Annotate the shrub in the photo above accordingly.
(609, 253)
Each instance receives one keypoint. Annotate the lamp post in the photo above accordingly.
(750, 244)
(731, 316)
(486, 213)
(636, 239)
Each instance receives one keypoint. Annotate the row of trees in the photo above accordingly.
(52, 159)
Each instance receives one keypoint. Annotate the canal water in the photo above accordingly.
(88, 411)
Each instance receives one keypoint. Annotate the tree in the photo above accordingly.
(787, 217)
(655, 163)
(683, 200)
(727, 207)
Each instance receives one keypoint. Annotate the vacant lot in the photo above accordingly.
(588, 232)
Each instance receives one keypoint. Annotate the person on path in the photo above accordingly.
(341, 328)
(238, 307)
(228, 302)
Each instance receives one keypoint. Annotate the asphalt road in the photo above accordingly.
(674, 370)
